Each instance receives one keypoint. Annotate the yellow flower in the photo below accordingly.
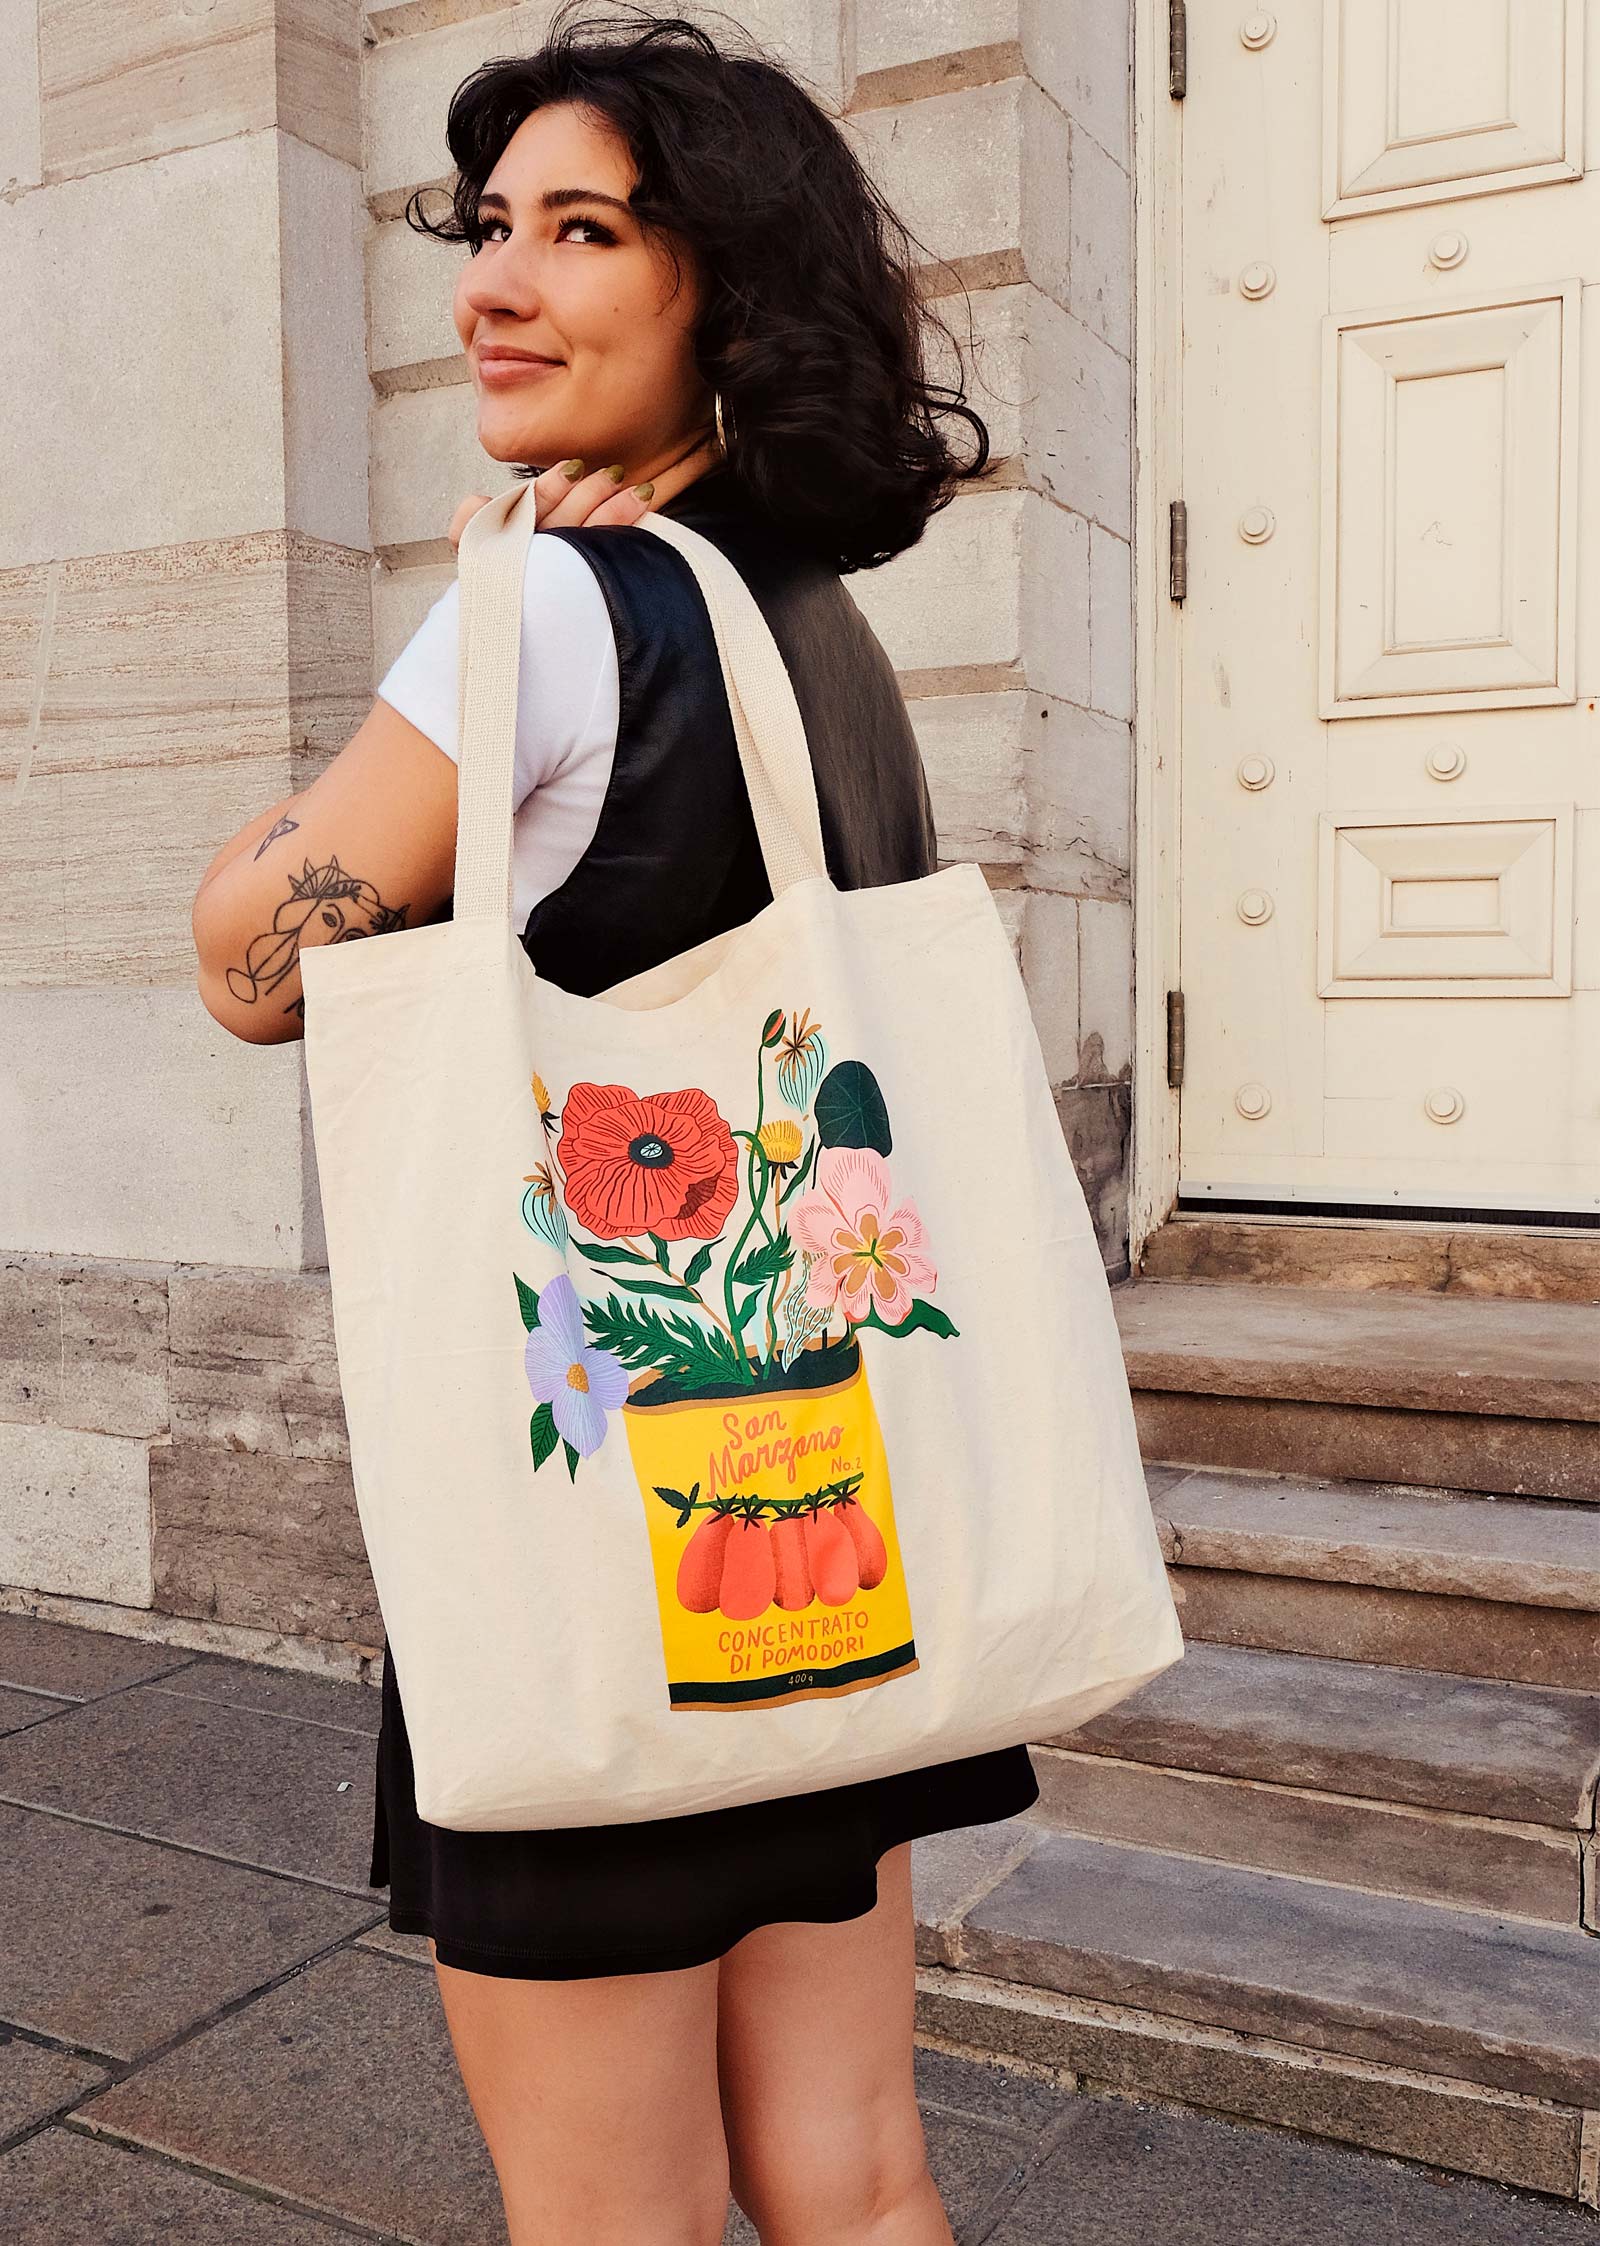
(541, 1095)
(780, 1142)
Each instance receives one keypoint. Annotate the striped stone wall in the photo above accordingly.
(234, 424)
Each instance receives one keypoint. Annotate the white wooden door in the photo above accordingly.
(1390, 649)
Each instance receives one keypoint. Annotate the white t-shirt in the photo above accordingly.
(567, 705)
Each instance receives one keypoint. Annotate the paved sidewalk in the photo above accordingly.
(208, 2036)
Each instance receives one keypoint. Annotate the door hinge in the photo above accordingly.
(1177, 48)
(1174, 1039)
(1178, 550)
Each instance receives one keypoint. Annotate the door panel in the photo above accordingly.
(1390, 809)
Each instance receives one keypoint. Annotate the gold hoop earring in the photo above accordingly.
(722, 439)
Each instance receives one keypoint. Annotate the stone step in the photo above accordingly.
(1481, 1261)
(1371, 1386)
(1408, 1781)
(1415, 1578)
(1464, 2038)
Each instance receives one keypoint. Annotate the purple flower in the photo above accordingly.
(579, 1382)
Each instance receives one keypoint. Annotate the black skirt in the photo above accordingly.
(585, 1900)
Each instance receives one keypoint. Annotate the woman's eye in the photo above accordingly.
(603, 233)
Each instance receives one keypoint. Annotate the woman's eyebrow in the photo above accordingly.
(557, 198)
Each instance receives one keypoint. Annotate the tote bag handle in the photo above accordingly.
(768, 727)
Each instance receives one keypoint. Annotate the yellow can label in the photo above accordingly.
(777, 1567)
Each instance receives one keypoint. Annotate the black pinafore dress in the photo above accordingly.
(675, 860)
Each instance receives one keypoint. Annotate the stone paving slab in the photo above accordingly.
(77, 1664)
(258, 1789)
(1416, 1736)
(36, 2082)
(1537, 1360)
(1507, 2002)
(62, 2188)
(19, 1709)
(114, 1943)
(1123, 2173)
(338, 2089)
(279, 1692)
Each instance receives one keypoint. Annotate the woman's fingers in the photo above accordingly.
(592, 496)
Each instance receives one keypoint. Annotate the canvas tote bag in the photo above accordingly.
(734, 1395)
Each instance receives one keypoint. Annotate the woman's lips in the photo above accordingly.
(500, 371)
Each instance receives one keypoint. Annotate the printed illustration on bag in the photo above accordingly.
(739, 1378)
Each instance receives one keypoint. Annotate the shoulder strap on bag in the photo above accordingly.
(766, 717)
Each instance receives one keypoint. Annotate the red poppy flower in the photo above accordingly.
(665, 1163)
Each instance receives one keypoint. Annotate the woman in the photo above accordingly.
(677, 272)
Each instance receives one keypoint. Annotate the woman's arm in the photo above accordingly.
(369, 846)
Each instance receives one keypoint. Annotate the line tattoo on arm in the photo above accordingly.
(284, 826)
(340, 903)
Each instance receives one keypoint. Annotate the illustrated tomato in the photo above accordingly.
(749, 1571)
(871, 1550)
(795, 1588)
(700, 1568)
(835, 1568)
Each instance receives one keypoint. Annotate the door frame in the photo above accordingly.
(1157, 724)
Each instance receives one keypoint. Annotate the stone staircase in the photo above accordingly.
(1336, 1869)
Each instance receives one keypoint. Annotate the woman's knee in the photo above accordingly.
(858, 2184)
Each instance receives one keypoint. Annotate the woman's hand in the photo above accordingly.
(562, 502)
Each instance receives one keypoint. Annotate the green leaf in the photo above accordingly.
(542, 1434)
(663, 1254)
(850, 1109)
(920, 1314)
(768, 1261)
(528, 1303)
(598, 1254)
(572, 1460)
(699, 1263)
(697, 1354)
(746, 1310)
(800, 1175)
(673, 1287)
(681, 1505)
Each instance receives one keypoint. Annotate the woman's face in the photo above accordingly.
(570, 275)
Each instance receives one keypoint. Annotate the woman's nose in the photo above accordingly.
(504, 284)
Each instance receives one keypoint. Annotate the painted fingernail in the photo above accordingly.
(644, 491)
(572, 470)
(615, 474)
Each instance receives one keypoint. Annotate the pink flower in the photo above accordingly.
(868, 1254)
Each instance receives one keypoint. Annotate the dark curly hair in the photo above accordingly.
(811, 325)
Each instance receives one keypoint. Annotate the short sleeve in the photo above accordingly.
(567, 682)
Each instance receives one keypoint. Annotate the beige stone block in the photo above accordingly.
(75, 1513)
(1078, 778)
(972, 746)
(1053, 394)
(411, 282)
(1078, 50)
(327, 395)
(84, 1345)
(110, 861)
(1050, 970)
(254, 1365)
(1101, 291)
(978, 174)
(262, 1541)
(400, 600)
(319, 59)
(1105, 990)
(410, 79)
(425, 459)
(1110, 624)
(121, 81)
(21, 155)
(999, 581)
(136, 1126)
(144, 401)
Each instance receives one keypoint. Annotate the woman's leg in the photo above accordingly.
(814, 2051)
(598, 2102)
